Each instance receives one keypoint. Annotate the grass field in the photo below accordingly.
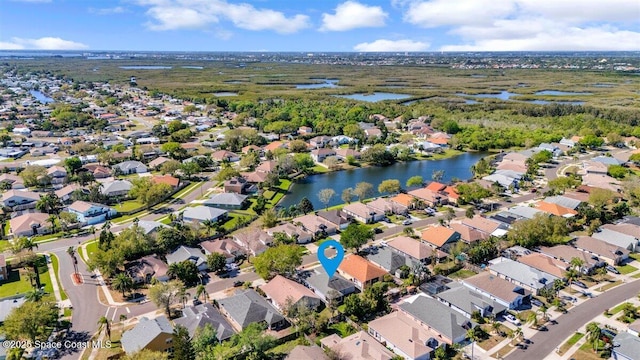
(626, 269)
(56, 265)
(15, 284)
(609, 286)
(569, 343)
(617, 308)
(129, 205)
(462, 274)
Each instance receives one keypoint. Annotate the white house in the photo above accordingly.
(91, 213)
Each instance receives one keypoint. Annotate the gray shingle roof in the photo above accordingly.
(115, 186)
(227, 199)
(195, 317)
(184, 253)
(440, 317)
(627, 345)
(469, 300)
(563, 201)
(203, 213)
(148, 227)
(390, 260)
(522, 273)
(143, 333)
(615, 238)
(321, 282)
(248, 307)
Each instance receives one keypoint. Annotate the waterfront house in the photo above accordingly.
(363, 213)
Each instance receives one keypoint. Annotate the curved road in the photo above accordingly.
(545, 342)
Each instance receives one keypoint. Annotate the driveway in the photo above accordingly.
(545, 342)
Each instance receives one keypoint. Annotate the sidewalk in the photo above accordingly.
(62, 304)
(103, 285)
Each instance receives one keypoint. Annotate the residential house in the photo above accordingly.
(315, 225)
(564, 201)
(607, 160)
(254, 241)
(202, 213)
(553, 149)
(65, 193)
(318, 155)
(363, 213)
(58, 174)
(184, 253)
(485, 225)
(630, 230)
(618, 238)
(157, 162)
(149, 227)
(386, 206)
(305, 130)
(440, 237)
(330, 290)
(611, 253)
(273, 146)
(593, 167)
(4, 273)
(116, 188)
(285, 294)
(225, 156)
(467, 301)
(19, 199)
(544, 263)
(229, 249)
(359, 346)
(427, 197)
(498, 289)
(521, 274)
(300, 235)
(130, 167)
(506, 178)
(413, 249)
(247, 307)
(626, 346)
(343, 154)
(197, 317)
(467, 234)
(227, 201)
(167, 179)
(301, 352)
(13, 181)
(319, 141)
(98, 171)
(29, 224)
(336, 218)
(91, 213)
(267, 167)
(450, 325)
(523, 212)
(404, 335)
(236, 185)
(392, 261)
(373, 132)
(555, 209)
(150, 334)
(565, 253)
(361, 272)
(404, 200)
(145, 269)
(602, 182)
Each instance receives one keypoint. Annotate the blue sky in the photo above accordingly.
(320, 25)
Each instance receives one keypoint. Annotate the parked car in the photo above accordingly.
(569, 298)
(237, 283)
(407, 222)
(387, 220)
(612, 269)
(536, 302)
(580, 284)
(512, 319)
(377, 231)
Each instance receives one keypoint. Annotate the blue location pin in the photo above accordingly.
(330, 265)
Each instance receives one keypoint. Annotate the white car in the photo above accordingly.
(512, 319)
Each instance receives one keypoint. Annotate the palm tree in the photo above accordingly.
(576, 263)
(543, 311)
(593, 334)
(106, 225)
(72, 252)
(409, 231)
(49, 203)
(52, 220)
(103, 323)
(122, 282)
(28, 244)
(571, 275)
(533, 319)
(209, 225)
(495, 326)
(516, 334)
(471, 334)
(202, 290)
(92, 230)
(183, 295)
(34, 295)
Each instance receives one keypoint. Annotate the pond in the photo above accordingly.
(560, 93)
(503, 95)
(225, 93)
(192, 67)
(40, 96)
(455, 167)
(328, 83)
(145, 67)
(375, 97)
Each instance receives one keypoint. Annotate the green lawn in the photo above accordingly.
(55, 264)
(286, 347)
(319, 169)
(15, 284)
(268, 194)
(6, 229)
(92, 247)
(626, 269)
(609, 286)
(285, 184)
(462, 274)
(617, 309)
(572, 341)
(129, 205)
(186, 190)
(635, 256)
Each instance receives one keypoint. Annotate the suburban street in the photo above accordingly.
(545, 342)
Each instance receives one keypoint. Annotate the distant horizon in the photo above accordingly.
(321, 26)
(320, 52)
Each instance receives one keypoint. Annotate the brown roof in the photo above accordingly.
(301, 352)
(158, 161)
(481, 223)
(555, 209)
(412, 247)
(599, 247)
(544, 263)
(361, 269)
(496, 286)
(468, 234)
(225, 247)
(627, 229)
(273, 146)
(166, 179)
(3, 261)
(565, 253)
(280, 289)
(405, 333)
(425, 194)
(80, 206)
(359, 346)
(24, 222)
(267, 166)
(438, 235)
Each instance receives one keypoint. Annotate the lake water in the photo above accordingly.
(40, 96)
(375, 97)
(192, 67)
(328, 83)
(503, 95)
(455, 167)
(225, 93)
(145, 67)
(561, 93)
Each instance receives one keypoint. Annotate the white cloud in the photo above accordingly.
(519, 25)
(352, 15)
(108, 11)
(383, 45)
(199, 14)
(43, 43)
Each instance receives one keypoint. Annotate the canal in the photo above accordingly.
(454, 167)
